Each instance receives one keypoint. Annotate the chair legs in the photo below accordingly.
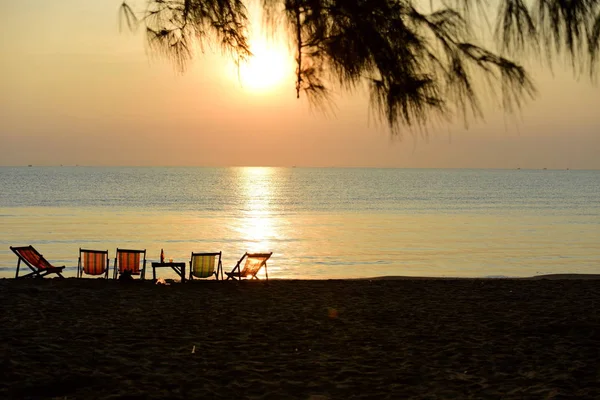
(37, 274)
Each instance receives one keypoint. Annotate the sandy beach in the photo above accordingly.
(380, 338)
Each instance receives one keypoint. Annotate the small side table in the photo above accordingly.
(178, 267)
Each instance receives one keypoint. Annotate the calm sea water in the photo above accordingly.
(319, 223)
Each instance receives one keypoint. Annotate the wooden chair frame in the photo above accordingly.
(215, 273)
(40, 270)
(142, 272)
(80, 270)
(243, 273)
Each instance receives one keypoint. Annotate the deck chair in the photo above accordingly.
(93, 262)
(254, 262)
(130, 260)
(202, 265)
(39, 266)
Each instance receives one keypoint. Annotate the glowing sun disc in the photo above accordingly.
(266, 69)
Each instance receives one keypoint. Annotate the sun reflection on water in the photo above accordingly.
(257, 192)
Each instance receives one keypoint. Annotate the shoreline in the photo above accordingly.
(535, 277)
(558, 276)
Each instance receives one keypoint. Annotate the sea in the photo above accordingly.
(320, 223)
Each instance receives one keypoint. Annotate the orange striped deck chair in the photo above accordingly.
(202, 265)
(133, 261)
(254, 262)
(92, 262)
(36, 262)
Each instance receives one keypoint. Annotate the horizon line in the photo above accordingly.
(294, 166)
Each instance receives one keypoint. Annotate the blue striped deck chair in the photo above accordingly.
(202, 265)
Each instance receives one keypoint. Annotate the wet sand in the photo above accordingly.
(380, 338)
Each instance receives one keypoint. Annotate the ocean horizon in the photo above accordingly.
(320, 223)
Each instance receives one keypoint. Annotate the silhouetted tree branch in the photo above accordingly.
(418, 64)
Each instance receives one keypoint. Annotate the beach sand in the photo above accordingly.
(380, 338)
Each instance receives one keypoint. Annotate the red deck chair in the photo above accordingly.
(130, 260)
(254, 262)
(39, 266)
(92, 262)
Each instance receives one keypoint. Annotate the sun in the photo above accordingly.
(271, 63)
(267, 68)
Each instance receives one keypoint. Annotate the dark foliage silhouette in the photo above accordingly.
(420, 60)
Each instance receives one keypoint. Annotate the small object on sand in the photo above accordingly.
(332, 313)
(161, 281)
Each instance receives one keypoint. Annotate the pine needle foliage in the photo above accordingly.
(421, 60)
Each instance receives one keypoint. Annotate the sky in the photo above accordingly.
(74, 90)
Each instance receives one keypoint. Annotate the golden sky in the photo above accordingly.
(74, 90)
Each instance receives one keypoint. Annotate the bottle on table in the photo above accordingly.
(162, 256)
